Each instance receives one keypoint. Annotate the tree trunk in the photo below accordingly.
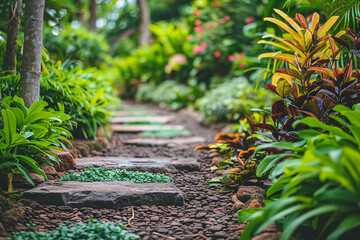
(79, 12)
(12, 35)
(31, 62)
(144, 22)
(92, 22)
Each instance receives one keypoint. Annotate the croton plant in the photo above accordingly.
(311, 83)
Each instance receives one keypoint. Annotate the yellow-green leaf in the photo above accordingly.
(326, 27)
(315, 21)
(283, 88)
(285, 27)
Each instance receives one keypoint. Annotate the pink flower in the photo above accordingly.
(249, 20)
(240, 56)
(222, 21)
(204, 45)
(198, 29)
(310, 16)
(197, 13)
(198, 22)
(198, 49)
(227, 17)
(242, 65)
(231, 58)
(217, 54)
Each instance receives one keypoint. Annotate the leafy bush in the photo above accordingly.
(101, 175)
(317, 193)
(94, 230)
(83, 94)
(159, 61)
(86, 47)
(232, 100)
(28, 135)
(171, 93)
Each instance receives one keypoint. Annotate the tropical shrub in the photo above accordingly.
(101, 175)
(92, 230)
(171, 93)
(28, 134)
(166, 58)
(232, 100)
(317, 193)
(80, 45)
(83, 94)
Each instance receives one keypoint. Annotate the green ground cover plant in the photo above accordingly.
(101, 175)
(94, 230)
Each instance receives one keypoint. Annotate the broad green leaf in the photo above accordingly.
(9, 119)
(268, 162)
(347, 224)
(36, 116)
(37, 107)
(313, 122)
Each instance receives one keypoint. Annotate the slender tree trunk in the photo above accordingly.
(93, 17)
(79, 12)
(144, 22)
(31, 62)
(12, 35)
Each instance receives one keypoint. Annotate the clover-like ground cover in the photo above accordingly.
(98, 230)
(102, 175)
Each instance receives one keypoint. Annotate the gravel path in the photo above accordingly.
(206, 214)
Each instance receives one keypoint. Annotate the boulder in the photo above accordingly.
(49, 170)
(19, 180)
(237, 206)
(67, 161)
(246, 193)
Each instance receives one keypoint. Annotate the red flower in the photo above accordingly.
(198, 29)
(249, 20)
(242, 65)
(217, 54)
(198, 22)
(231, 58)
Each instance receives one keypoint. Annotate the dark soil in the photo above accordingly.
(206, 214)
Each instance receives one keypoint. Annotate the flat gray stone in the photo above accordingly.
(164, 142)
(154, 165)
(106, 194)
(141, 128)
(157, 119)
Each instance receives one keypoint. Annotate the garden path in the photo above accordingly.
(206, 213)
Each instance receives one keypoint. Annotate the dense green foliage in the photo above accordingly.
(101, 175)
(231, 100)
(94, 230)
(83, 94)
(28, 134)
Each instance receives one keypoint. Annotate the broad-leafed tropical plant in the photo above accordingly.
(28, 135)
(311, 83)
(317, 194)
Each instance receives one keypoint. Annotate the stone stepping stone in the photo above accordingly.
(105, 194)
(141, 128)
(134, 114)
(154, 165)
(164, 142)
(157, 119)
